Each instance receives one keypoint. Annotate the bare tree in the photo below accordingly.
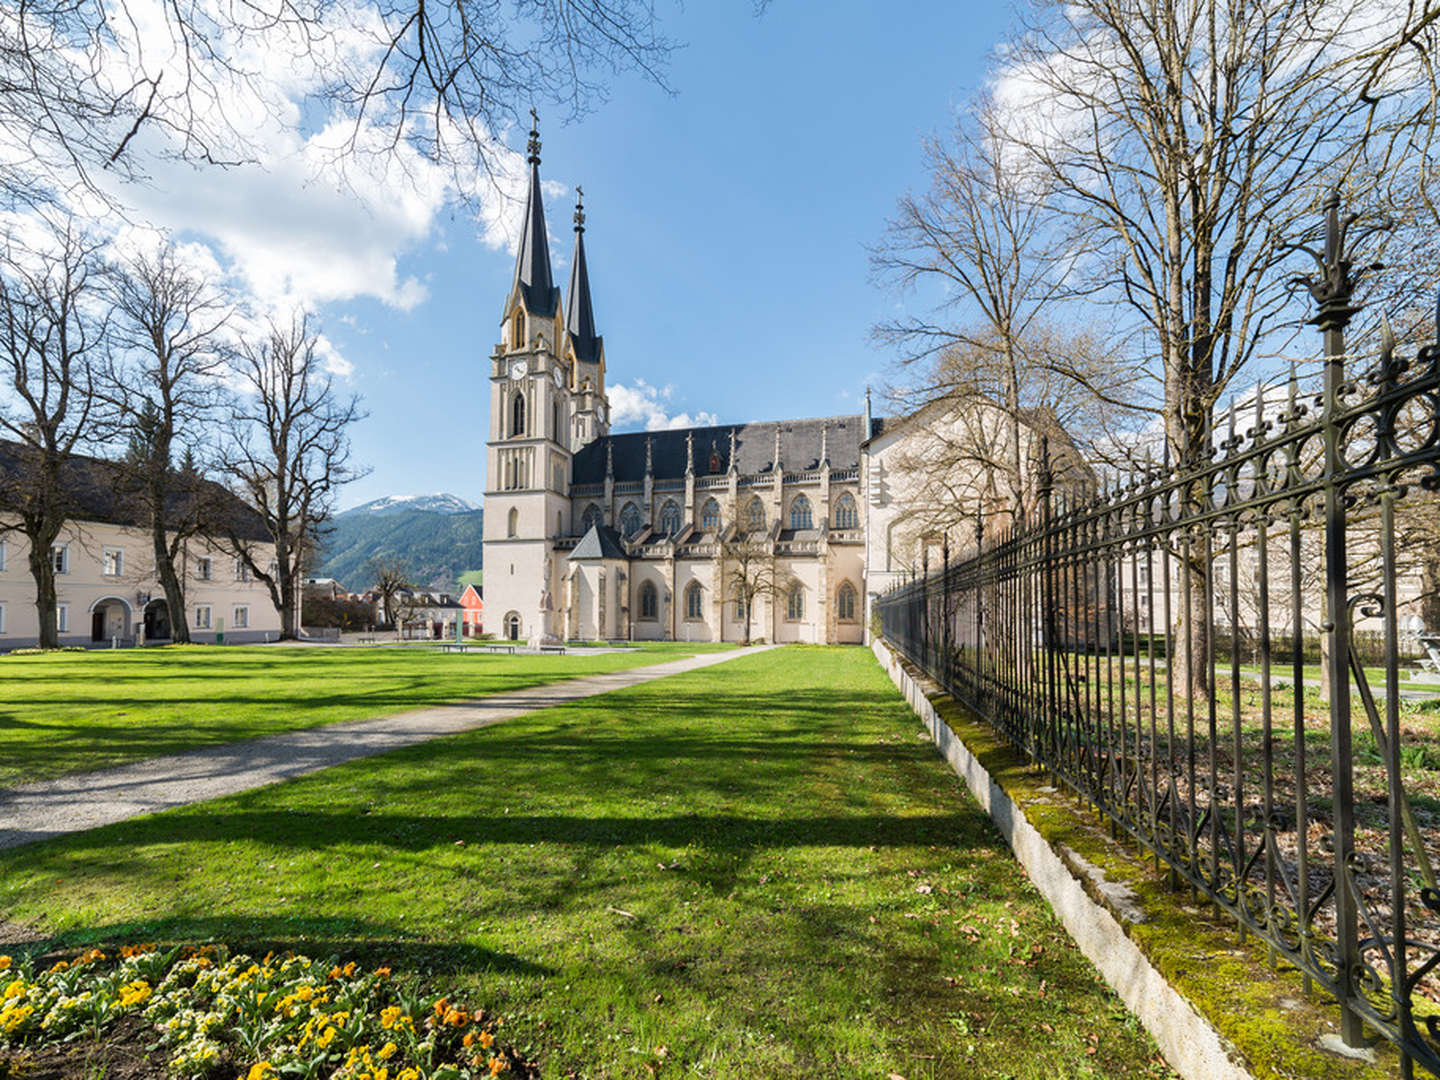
(165, 378)
(103, 85)
(391, 578)
(289, 453)
(52, 328)
(749, 571)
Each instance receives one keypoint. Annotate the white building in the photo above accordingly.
(590, 535)
(107, 588)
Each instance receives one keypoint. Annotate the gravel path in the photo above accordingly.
(32, 812)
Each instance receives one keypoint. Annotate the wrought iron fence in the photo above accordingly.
(1086, 636)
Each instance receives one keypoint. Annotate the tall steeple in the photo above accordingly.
(532, 264)
(579, 314)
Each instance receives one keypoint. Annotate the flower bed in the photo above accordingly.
(216, 1014)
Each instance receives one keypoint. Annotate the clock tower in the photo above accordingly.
(547, 399)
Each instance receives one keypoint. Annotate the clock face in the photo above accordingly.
(559, 377)
(518, 368)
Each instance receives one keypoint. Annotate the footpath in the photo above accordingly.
(50, 808)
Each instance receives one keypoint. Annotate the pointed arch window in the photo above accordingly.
(670, 518)
(847, 516)
(800, 517)
(517, 329)
(512, 523)
(649, 601)
(710, 516)
(755, 515)
(694, 600)
(795, 602)
(517, 414)
(591, 519)
(845, 603)
(630, 521)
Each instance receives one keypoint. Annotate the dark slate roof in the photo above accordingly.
(579, 313)
(532, 264)
(102, 490)
(754, 449)
(601, 542)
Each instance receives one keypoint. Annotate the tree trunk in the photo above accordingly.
(169, 580)
(42, 569)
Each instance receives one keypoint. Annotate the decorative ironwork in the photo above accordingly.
(1072, 633)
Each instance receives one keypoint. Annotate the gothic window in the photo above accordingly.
(846, 515)
(755, 515)
(795, 602)
(740, 611)
(517, 414)
(592, 518)
(649, 601)
(630, 521)
(710, 516)
(800, 513)
(694, 600)
(512, 525)
(517, 330)
(845, 603)
(670, 518)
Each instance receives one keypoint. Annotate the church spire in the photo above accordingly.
(579, 313)
(532, 264)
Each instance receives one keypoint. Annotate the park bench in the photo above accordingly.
(500, 648)
(553, 648)
(454, 646)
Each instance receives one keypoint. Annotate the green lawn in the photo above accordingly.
(761, 870)
(69, 712)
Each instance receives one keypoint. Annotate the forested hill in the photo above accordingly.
(436, 545)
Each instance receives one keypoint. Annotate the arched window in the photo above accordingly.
(694, 600)
(517, 329)
(649, 601)
(559, 524)
(755, 515)
(800, 513)
(556, 431)
(795, 602)
(845, 603)
(591, 519)
(740, 609)
(512, 626)
(512, 523)
(517, 414)
(710, 516)
(630, 521)
(846, 515)
(670, 518)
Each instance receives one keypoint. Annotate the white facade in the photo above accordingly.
(108, 592)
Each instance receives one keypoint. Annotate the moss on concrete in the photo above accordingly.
(1260, 1010)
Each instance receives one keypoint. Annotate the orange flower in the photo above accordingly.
(457, 1018)
(384, 972)
(485, 1040)
(497, 1066)
(441, 1006)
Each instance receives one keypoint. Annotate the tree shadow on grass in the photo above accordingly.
(320, 938)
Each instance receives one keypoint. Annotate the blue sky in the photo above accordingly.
(727, 231)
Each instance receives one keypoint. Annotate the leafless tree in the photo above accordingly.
(749, 572)
(170, 354)
(101, 85)
(288, 454)
(52, 328)
(391, 578)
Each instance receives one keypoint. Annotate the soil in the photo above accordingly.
(121, 1053)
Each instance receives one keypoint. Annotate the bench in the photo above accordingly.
(454, 646)
(553, 648)
(500, 648)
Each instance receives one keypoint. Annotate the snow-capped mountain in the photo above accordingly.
(440, 503)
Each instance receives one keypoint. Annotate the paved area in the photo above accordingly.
(39, 811)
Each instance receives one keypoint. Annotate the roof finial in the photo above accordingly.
(579, 209)
(532, 148)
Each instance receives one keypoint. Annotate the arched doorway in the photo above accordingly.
(512, 626)
(109, 618)
(157, 621)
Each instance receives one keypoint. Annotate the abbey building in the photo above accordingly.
(779, 531)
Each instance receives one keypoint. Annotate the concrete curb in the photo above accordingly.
(1190, 1044)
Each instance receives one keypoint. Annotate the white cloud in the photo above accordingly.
(646, 407)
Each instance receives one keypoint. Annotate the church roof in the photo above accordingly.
(601, 542)
(532, 264)
(579, 312)
(800, 449)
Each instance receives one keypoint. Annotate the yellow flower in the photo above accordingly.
(411, 1073)
(15, 989)
(135, 993)
(4, 962)
(326, 1037)
(261, 1070)
(387, 1051)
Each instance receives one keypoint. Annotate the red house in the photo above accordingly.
(474, 607)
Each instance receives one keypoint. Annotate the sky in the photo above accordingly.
(727, 232)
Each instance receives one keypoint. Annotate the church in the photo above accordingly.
(780, 531)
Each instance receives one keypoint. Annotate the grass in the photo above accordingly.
(753, 870)
(70, 712)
